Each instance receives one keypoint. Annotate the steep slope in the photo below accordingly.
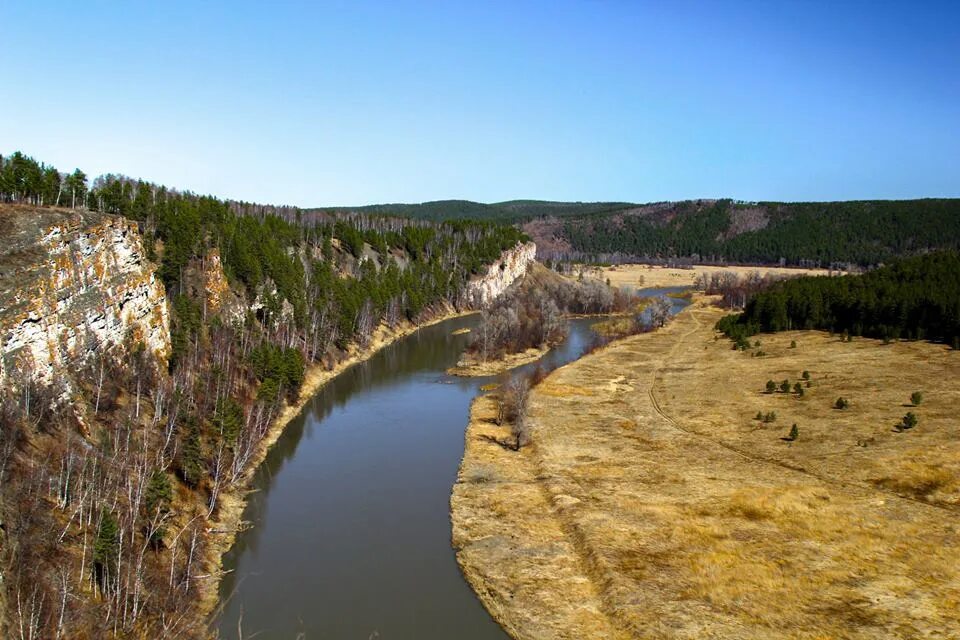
(72, 285)
(153, 348)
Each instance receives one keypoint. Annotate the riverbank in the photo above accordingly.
(472, 366)
(233, 502)
(639, 510)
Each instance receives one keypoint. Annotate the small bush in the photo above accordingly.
(759, 415)
(916, 398)
(785, 386)
(909, 421)
(794, 433)
(770, 416)
(806, 375)
(793, 344)
(771, 386)
(798, 388)
(841, 403)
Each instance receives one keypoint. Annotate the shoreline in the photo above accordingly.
(224, 530)
(592, 529)
(470, 368)
(508, 484)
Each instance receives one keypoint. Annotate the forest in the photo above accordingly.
(825, 234)
(107, 502)
(511, 211)
(864, 233)
(915, 298)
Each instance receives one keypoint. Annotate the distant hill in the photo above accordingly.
(510, 211)
(863, 232)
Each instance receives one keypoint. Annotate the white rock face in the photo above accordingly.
(512, 264)
(71, 285)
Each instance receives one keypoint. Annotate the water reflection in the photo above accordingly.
(351, 535)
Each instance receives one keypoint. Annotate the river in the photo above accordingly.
(351, 524)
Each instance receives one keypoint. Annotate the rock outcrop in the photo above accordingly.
(512, 264)
(73, 284)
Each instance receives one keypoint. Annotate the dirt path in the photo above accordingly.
(860, 486)
(651, 498)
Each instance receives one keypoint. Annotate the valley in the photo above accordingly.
(480, 321)
(207, 401)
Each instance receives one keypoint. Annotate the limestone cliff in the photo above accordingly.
(72, 284)
(511, 265)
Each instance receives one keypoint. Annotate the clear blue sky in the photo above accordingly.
(355, 102)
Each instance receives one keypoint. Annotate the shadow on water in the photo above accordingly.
(350, 510)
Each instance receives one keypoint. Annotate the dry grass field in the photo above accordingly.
(645, 275)
(652, 504)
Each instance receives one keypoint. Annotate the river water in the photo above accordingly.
(351, 535)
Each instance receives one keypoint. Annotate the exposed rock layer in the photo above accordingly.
(511, 265)
(72, 284)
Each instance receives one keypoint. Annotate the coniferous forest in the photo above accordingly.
(864, 233)
(914, 298)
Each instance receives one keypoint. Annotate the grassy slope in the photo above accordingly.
(686, 518)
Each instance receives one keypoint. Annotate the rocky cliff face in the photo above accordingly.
(512, 264)
(73, 284)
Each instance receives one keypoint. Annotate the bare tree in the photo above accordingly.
(660, 312)
(514, 394)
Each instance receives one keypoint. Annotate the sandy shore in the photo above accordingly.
(651, 503)
(224, 529)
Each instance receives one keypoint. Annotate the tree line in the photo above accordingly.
(913, 298)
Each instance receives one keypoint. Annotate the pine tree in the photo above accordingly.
(157, 501)
(105, 547)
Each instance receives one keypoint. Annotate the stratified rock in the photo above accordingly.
(73, 283)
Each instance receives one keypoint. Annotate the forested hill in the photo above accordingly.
(512, 211)
(866, 232)
(806, 233)
(123, 483)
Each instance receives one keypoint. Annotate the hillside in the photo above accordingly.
(152, 343)
(510, 211)
(865, 233)
(805, 234)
